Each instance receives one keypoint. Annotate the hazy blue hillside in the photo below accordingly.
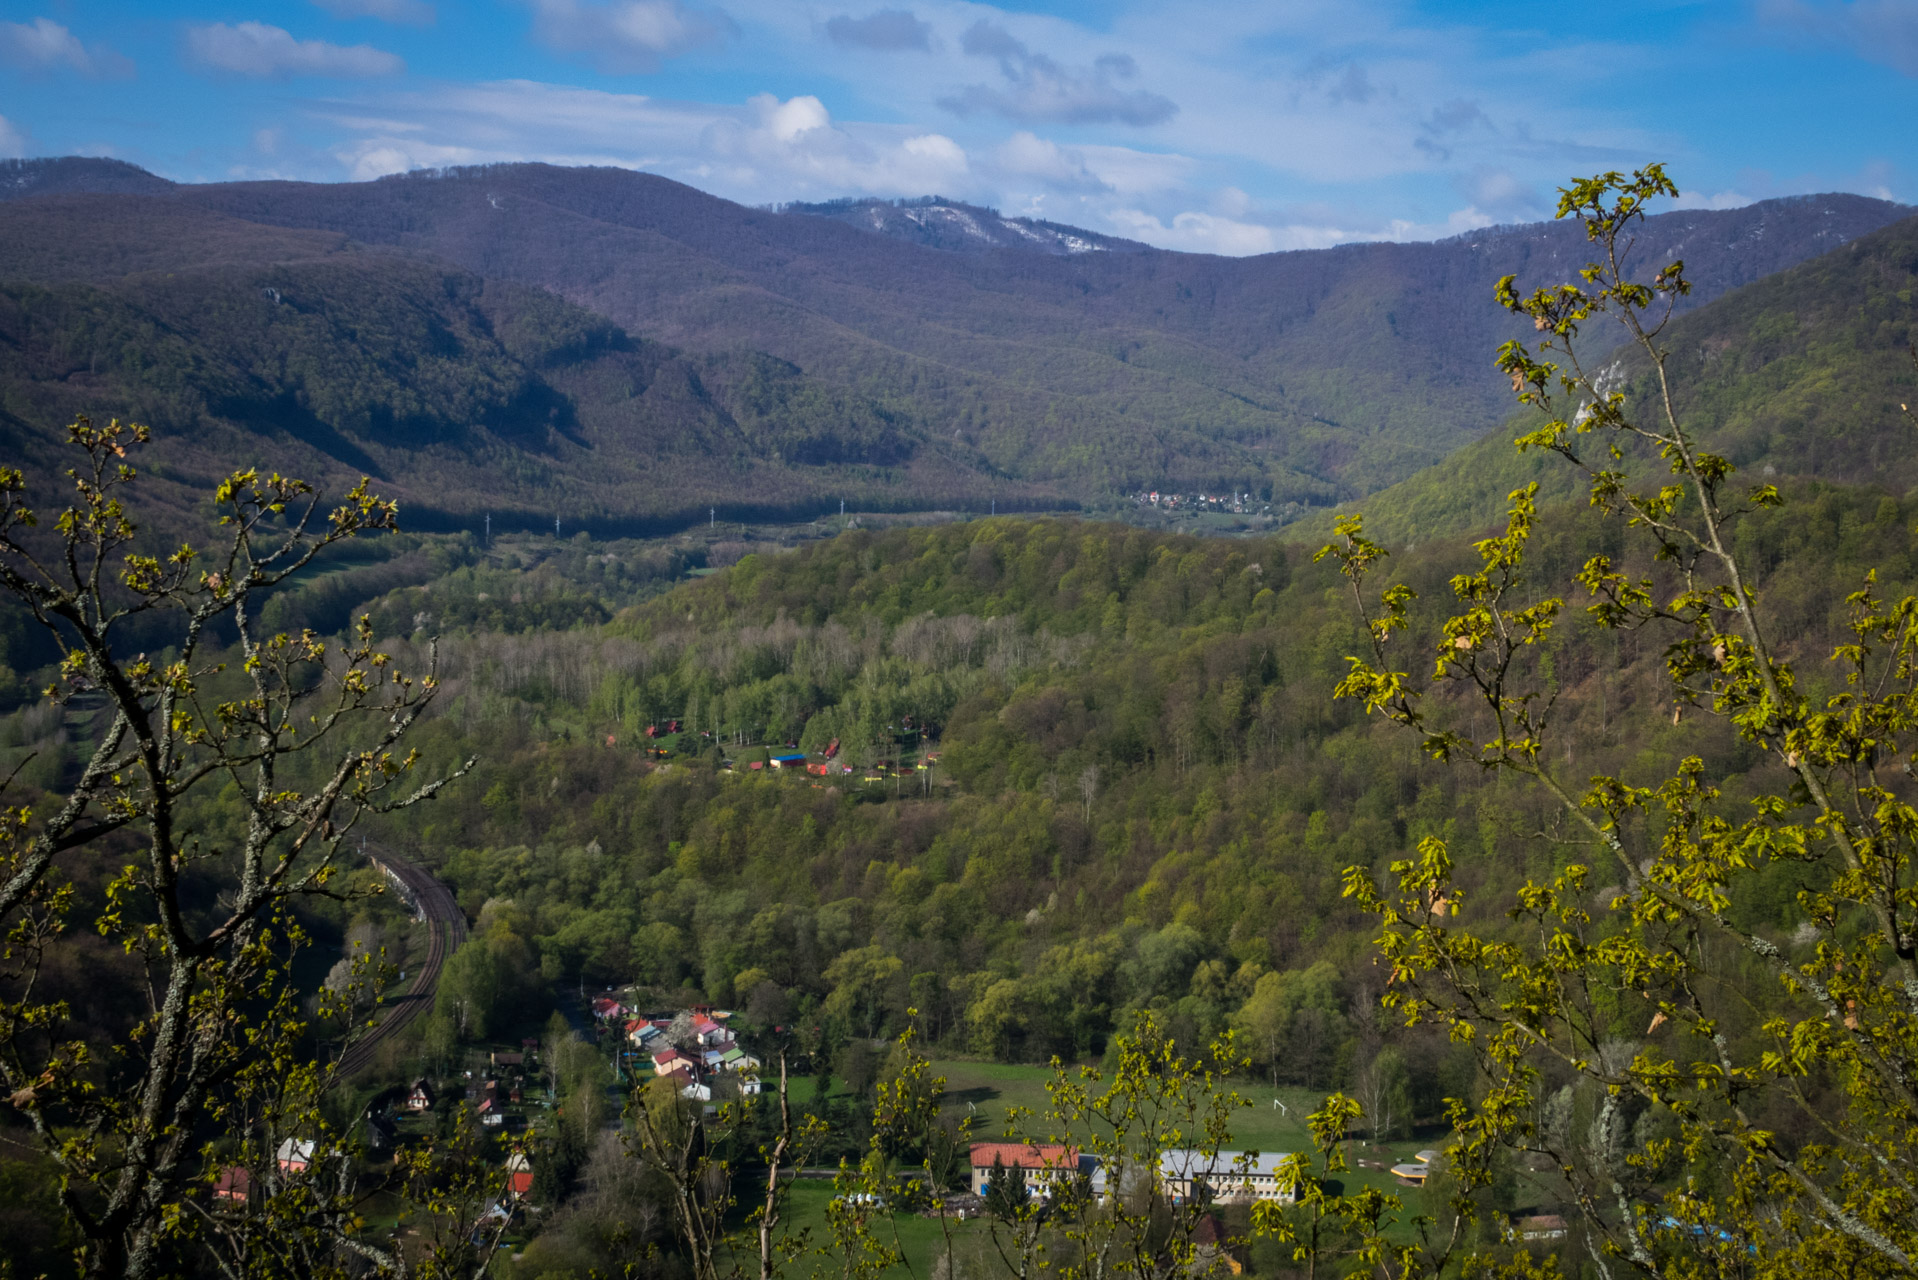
(1331, 373)
(1312, 376)
(1801, 374)
(1305, 377)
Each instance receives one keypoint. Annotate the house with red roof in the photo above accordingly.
(295, 1155)
(1043, 1162)
(519, 1176)
(669, 1062)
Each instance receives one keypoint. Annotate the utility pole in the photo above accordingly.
(842, 508)
(489, 528)
(556, 528)
(712, 517)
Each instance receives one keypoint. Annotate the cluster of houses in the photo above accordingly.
(1237, 503)
(695, 1048)
(490, 1101)
(1225, 1177)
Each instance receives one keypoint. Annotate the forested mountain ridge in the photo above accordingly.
(301, 351)
(60, 174)
(1307, 377)
(1801, 374)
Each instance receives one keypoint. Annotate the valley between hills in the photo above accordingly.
(806, 665)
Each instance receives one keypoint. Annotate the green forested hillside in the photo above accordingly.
(1303, 377)
(1143, 795)
(1800, 374)
(461, 396)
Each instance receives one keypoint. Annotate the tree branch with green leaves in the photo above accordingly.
(1752, 1095)
(306, 734)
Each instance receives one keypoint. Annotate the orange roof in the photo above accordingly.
(1024, 1155)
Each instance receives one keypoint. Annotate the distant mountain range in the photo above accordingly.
(909, 354)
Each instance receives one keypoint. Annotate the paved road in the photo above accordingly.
(446, 925)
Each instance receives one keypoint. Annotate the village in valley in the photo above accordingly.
(712, 1057)
(694, 1048)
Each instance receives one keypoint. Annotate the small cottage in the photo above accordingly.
(519, 1176)
(235, 1184)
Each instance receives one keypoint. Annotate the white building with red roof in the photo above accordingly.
(1042, 1162)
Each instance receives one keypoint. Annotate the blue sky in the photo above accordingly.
(1235, 128)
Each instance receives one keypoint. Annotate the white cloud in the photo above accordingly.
(626, 36)
(797, 143)
(787, 120)
(1036, 88)
(13, 143)
(937, 152)
(757, 152)
(410, 13)
(1200, 233)
(1131, 172)
(45, 45)
(376, 157)
(1711, 200)
(373, 124)
(1502, 195)
(1063, 168)
(1879, 179)
(888, 31)
(1883, 31)
(1875, 179)
(1242, 229)
(258, 50)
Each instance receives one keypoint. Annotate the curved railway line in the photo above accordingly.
(432, 902)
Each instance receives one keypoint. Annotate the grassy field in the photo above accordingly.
(987, 1091)
(920, 1240)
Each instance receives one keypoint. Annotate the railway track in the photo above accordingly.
(432, 902)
